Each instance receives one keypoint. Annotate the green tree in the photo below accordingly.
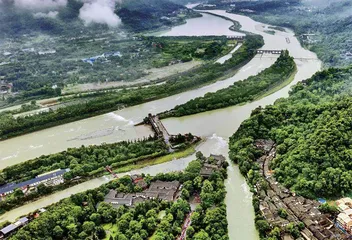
(88, 227)
(58, 232)
(201, 235)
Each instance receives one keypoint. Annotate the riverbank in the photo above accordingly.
(240, 213)
(178, 193)
(127, 166)
(280, 74)
(204, 75)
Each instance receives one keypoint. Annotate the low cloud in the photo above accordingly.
(51, 14)
(99, 11)
(40, 4)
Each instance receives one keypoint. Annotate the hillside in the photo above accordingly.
(78, 17)
(312, 131)
(142, 15)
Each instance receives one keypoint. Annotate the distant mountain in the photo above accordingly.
(136, 15)
(142, 15)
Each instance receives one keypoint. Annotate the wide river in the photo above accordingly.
(217, 126)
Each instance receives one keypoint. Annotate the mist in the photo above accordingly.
(321, 3)
(99, 11)
(40, 4)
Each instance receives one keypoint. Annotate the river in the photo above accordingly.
(217, 126)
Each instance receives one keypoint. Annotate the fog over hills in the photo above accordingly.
(61, 16)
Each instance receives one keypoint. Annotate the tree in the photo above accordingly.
(96, 218)
(328, 208)
(201, 235)
(18, 193)
(282, 213)
(190, 232)
(58, 232)
(185, 194)
(100, 232)
(2, 180)
(262, 226)
(194, 167)
(42, 189)
(88, 226)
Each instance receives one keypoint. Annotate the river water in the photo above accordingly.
(217, 126)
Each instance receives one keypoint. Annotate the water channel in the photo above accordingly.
(217, 126)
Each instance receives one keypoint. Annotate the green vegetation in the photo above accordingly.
(312, 131)
(109, 58)
(86, 160)
(144, 15)
(105, 102)
(242, 91)
(136, 15)
(324, 27)
(329, 208)
(86, 163)
(84, 215)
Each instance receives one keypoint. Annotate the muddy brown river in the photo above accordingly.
(216, 126)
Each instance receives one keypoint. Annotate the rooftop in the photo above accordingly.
(12, 186)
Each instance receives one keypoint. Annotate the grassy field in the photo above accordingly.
(167, 158)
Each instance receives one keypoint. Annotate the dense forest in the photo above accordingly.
(152, 14)
(312, 131)
(83, 215)
(86, 160)
(240, 92)
(208, 73)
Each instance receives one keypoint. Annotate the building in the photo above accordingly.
(139, 181)
(211, 165)
(344, 219)
(50, 179)
(157, 190)
(207, 170)
(6, 231)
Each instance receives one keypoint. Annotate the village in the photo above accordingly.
(277, 199)
(169, 191)
(163, 190)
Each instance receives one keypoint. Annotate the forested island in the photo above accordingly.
(87, 215)
(84, 163)
(276, 76)
(311, 132)
(114, 100)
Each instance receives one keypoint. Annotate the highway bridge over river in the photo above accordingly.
(269, 52)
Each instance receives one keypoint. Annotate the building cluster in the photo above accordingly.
(5, 87)
(344, 219)
(8, 230)
(52, 178)
(276, 198)
(168, 191)
(211, 165)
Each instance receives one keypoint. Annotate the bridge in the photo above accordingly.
(296, 58)
(159, 129)
(262, 51)
(238, 38)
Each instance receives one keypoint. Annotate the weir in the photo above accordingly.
(159, 129)
(269, 51)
